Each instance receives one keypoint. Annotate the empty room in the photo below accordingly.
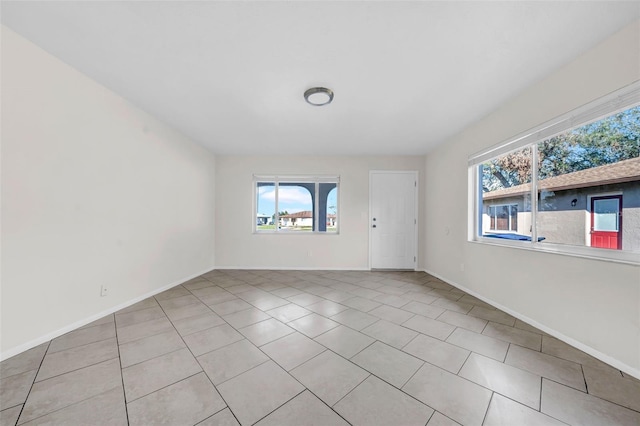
(320, 213)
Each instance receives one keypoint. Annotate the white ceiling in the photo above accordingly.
(231, 75)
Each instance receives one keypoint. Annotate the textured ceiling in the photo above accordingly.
(231, 75)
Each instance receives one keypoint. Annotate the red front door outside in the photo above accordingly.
(606, 222)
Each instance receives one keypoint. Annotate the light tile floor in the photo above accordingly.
(312, 348)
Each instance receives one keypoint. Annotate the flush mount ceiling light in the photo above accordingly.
(318, 96)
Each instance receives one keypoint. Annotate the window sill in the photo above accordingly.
(624, 257)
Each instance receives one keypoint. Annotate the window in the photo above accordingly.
(571, 186)
(503, 217)
(296, 204)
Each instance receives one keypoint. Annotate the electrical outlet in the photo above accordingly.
(309, 253)
(462, 267)
(103, 291)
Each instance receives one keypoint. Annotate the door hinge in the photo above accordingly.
(415, 183)
(415, 221)
(414, 259)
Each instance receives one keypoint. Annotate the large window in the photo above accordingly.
(296, 204)
(570, 186)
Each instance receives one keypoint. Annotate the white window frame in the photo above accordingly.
(316, 180)
(613, 103)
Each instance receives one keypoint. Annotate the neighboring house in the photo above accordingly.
(262, 219)
(304, 219)
(299, 219)
(597, 207)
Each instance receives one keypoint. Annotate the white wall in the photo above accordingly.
(594, 304)
(238, 247)
(94, 192)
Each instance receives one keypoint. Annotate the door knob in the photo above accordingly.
(373, 226)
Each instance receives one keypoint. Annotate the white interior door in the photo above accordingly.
(393, 219)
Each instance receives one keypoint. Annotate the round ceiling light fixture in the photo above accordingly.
(318, 96)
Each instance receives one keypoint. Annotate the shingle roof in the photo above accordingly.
(622, 171)
(307, 214)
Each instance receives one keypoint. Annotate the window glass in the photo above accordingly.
(265, 206)
(289, 205)
(589, 184)
(506, 194)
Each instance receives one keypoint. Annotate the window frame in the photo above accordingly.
(620, 100)
(510, 221)
(316, 180)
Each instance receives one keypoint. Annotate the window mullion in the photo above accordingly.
(276, 221)
(534, 193)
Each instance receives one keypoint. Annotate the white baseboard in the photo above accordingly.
(59, 332)
(558, 335)
(292, 268)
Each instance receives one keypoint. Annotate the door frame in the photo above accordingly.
(613, 195)
(416, 176)
(587, 221)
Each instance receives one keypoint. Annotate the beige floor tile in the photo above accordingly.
(149, 347)
(9, 416)
(130, 318)
(76, 358)
(557, 369)
(221, 418)
(211, 339)
(187, 402)
(513, 335)
(257, 392)
(82, 337)
(104, 320)
(437, 352)
(305, 299)
(420, 296)
(285, 292)
(23, 362)
(144, 329)
(246, 317)
(610, 385)
(430, 327)
(360, 303)
(197, 283)
(265, 331)
(505, 412)
(15, 389)
(176, 291)
(366, 293)
(202, 322)
(313, 325)
(452, 305)
(439, 419)
(389, 333)
(375, 402)
(288, 312)
(338, 296)
(388, 363)
(465, 321)
(475, 301)
(344, 341)
(509, 381)
(149, 376)
(292, 350)
(268, 302)
(230, 361)
(195, 309)
(61, 391)
(391, 314)
(326, 308)
(577, 408)
(492, 315)
(555, 347)
(394, 300)
(217, 297)
(479, 343)
(455, 397)
(230, 306)
(305, 409)
(355, 319)
(178, 302)
(423, 309)
(329, 376)
(107, 408)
